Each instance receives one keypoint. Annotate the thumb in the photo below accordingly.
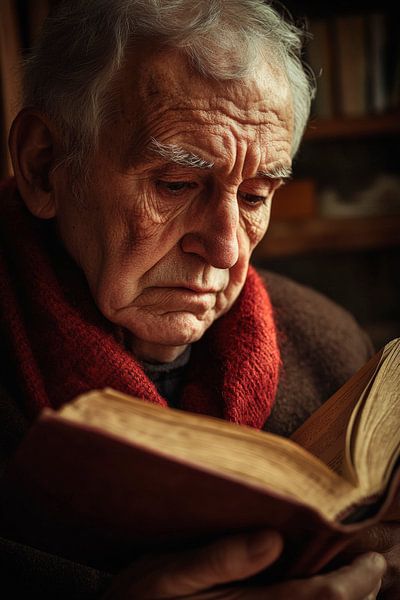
(224, 561)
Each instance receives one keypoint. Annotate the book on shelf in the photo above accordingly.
(392, 62)
(320, 58)
(10, 85)
(356, 62)
(378, 98)
(295, 200)
(109, 476)
(350, 33)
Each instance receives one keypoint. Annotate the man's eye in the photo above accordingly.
(175, 187)
(252, 198)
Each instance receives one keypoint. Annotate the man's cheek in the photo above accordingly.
(135, 234)
(254, 230)
(117, 288)
(153, 209)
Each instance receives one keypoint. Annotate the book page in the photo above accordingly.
(374, 441)
(324, 433)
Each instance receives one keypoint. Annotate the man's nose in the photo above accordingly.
(213, 234)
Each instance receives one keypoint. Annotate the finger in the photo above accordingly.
(229, 559)
(182, 574)
(354, 582)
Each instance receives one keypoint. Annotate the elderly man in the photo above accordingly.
(153, 138)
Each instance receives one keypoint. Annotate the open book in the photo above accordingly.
(108, 476)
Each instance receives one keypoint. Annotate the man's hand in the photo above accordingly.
(226, 562)
(385, 539)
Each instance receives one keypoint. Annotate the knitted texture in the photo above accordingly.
(59, 345)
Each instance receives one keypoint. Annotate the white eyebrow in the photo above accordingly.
(178, 155)
(277, 171)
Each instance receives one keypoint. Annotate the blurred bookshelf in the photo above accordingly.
(350, 197)
(288, 238)
(336, 225)
(356, 127)
(345, 193)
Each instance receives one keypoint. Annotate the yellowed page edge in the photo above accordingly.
(324, 433)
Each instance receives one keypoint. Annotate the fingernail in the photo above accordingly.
(264, 542)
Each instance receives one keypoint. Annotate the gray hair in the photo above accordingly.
(83, 44)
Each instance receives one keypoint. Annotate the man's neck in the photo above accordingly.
(154, 353)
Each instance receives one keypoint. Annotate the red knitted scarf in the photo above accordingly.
(58, 345)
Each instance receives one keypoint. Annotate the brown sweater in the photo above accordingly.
(321, 346)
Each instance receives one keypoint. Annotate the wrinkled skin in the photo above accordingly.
(165, 249)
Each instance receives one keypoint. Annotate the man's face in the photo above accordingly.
(179, 195)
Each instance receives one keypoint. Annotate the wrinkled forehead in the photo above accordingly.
(160, 89)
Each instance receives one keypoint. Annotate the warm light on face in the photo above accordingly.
(165, 240)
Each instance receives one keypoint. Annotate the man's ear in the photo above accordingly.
(32, 143)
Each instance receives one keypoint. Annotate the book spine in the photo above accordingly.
(377, 43)
(392, 63)
(350, 40)
(320, 59)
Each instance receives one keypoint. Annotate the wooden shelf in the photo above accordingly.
(347, 128)
(285, 238)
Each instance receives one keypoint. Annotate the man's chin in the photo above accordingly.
(171, 329)
(162, 349)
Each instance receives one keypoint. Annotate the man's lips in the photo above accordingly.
(196, 289)
(177, 299)
(187, 287)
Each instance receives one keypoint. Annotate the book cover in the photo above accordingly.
(109, 477)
